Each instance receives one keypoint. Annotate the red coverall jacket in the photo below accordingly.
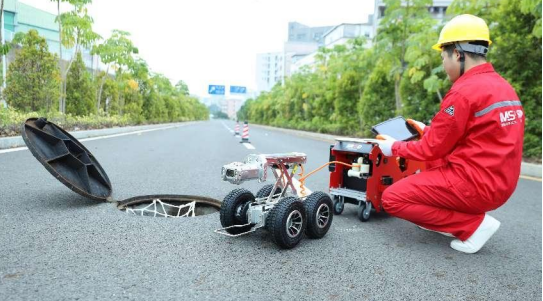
(478, 135)
(479, 131)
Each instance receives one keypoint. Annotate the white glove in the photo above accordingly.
(385, 144)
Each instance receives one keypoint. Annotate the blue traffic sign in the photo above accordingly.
(238, 89)
(215, 89)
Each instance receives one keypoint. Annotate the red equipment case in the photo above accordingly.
(365, 187)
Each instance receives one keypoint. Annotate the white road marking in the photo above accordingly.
(126, 134)
(229, 129)
(248, 145)
(97, 138)
(3, 151)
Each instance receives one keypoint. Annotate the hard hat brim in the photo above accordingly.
(439, 46)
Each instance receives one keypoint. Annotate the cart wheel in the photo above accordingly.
(318, 207)
(286, 222)
(234, 210)
(364, 211)
(338, 206)
(266, 190)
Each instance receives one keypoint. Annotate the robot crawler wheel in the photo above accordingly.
(266, 190)
(318, 207)
(364, 211)
(234, 210)
(287, 222)
(338, 206)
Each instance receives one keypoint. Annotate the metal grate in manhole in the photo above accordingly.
(168, 205)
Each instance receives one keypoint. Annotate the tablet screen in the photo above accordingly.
(396, 128)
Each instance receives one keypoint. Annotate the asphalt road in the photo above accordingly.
(57, 245)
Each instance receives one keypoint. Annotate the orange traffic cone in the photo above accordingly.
(236, 129)
(245, 135)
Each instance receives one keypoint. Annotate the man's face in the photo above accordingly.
(451, 64)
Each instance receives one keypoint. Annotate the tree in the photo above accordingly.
(182, 87)
(73, 2)
(424, 78)
(402, 19)
(377, 103)
(350, 68)
(79, 90)
(116, 51)
(77, 32)
(4, 47)
(33, 78)
(220, 115)
(110, 92)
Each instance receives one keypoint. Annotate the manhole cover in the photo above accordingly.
(74, 165)
(170, 205)
(66, 159)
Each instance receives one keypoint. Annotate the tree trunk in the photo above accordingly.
(61, 104)
(398, 79)
(65, 77)
(439, 95)
(101, 87)
(120, 101)
(4, 76)
(63, 84)
(1, 34)
(397, 94)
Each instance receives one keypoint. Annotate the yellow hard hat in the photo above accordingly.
(463, 28)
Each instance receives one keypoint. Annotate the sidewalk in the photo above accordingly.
(526, 169)
(17, 141)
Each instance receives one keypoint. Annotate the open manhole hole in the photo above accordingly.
(170, 205)
(74, 166)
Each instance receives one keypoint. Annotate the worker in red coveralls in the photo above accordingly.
(476, 137)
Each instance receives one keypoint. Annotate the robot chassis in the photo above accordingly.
(285, 217)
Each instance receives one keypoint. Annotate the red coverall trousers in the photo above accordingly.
(430, 201)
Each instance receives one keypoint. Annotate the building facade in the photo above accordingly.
(272, 68)
(269, 70)
(298, 32)
(341, 33)
(344, 32)
(437, 10)
(337, 35)
(304, 41)
(231, 106)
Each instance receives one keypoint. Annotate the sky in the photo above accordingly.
(205, 42)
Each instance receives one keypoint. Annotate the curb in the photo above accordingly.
(530, 169)
(17, 141)
(526, 169)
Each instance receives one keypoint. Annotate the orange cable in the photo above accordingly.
(302, 177)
